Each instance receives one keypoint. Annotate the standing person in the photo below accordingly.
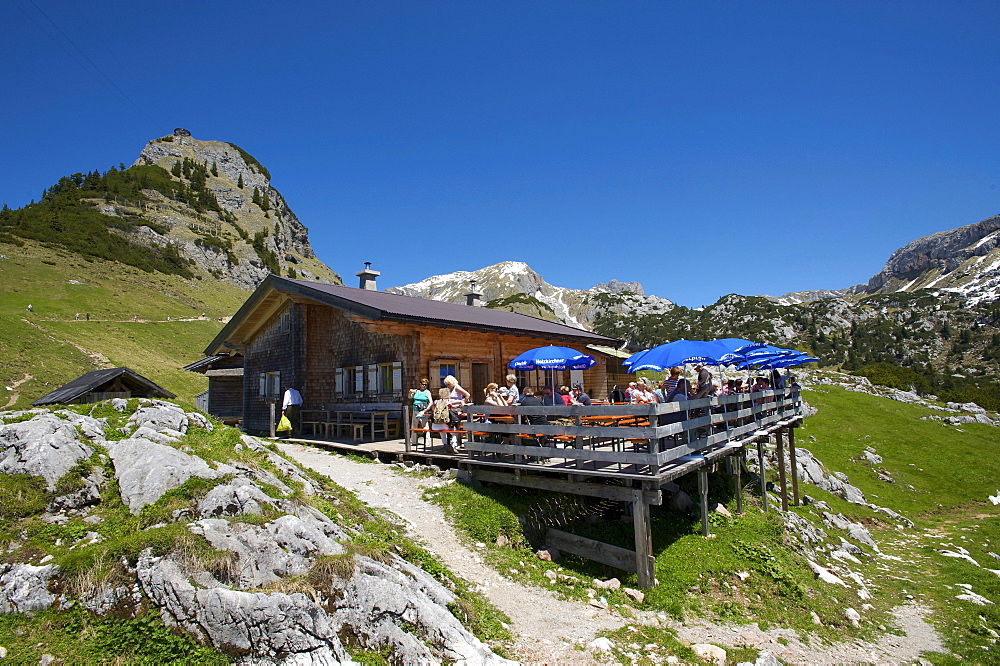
(579, 397)
(441, 420)
(457, 398)
(704, 382)
(510, 392)
(291, 403)
(30, 309)
(420, 403)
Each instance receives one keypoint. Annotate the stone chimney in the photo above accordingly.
(472, 298)
(368, 277)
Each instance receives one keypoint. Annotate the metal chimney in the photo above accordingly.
(368, 277)
(472, 298)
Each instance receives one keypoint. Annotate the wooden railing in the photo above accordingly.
(620, 440)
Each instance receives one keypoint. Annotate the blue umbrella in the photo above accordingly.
(737, 347)
(631, 359)
(552, 358)
(763, 353)
(679, 352)
(789, 362)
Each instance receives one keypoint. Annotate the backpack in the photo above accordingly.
(441, 413)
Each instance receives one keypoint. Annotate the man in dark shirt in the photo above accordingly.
(550, 399)
(579, 397)
(529, 399)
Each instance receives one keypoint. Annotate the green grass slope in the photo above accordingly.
(938, 476)
(149, 322)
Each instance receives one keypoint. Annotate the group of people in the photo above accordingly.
(676, 388)
(444, 413)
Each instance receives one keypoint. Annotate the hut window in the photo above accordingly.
(350, 379)
(390, 378)
(445, 369)
(270, 385)
(286, 322)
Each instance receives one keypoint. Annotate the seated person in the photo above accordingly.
(564, 394)
(681, 391)
(550, 399)
(641, 395)
(618, 395)
(529, 399)
(579, 397)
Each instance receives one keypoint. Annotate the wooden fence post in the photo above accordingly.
(406, 427)
(271, 420)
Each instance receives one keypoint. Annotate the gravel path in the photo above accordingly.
(553, 631)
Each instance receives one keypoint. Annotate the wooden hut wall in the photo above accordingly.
(277, 347)
(225, 397)
(333, 341)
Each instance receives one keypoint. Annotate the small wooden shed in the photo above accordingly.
(103, 385)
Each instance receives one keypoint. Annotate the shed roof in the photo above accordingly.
(94, 380)
(383, 306)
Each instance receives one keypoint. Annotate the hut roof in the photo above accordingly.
(383, 306)
(94, 380)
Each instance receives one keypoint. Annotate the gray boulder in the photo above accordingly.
(159, 416)
(24, 588)
(239, 497)
(44, 446)
(200, 421)
(284, 547)
(265, 628)
(379, 598)
(146, 470)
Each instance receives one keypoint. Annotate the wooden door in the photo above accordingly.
(480, 378)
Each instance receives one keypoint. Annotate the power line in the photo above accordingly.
(87, 59)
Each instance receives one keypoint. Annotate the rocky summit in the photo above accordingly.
(252, 233)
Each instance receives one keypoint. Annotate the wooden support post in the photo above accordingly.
(792, 463)
(739, 460)
(271, 406)
(406, 429)
(703, 492)
(780, 455)
(763, 479)
(643, 542)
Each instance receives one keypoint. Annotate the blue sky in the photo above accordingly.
(700, 148)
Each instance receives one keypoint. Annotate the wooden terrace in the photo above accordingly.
(626, 453)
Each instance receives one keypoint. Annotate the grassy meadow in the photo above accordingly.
(149, 322)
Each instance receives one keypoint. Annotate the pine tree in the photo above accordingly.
(239, 182)
(215, 169)
(256, 196)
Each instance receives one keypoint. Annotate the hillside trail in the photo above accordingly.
(550, 630)
(98, 358)
(14, 386)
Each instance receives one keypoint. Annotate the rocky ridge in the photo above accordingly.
(513, 285)
(286, 585)
(239, 175)
(965, 261)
